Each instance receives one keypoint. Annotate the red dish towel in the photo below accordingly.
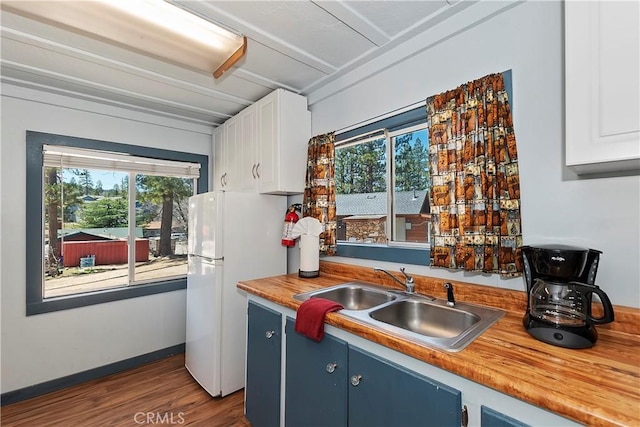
(310, 317)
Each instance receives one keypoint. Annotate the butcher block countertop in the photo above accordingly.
(599, 386)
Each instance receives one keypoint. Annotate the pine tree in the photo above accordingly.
(412, 164)
(85, 180)
(110, 212)
(168, 192)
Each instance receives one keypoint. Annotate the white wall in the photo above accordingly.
(49, 346)
(556, 206)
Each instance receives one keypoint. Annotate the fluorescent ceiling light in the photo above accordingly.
(153, 27)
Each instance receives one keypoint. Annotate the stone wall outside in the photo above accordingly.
(366, 230)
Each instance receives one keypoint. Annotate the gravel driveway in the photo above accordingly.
(113, 276)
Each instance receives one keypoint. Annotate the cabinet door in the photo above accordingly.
(382, 393)
(492, 418)
(268, 164)
(262, 391)
(316, 380)
(602, 82)
(219, 164)
(230, 153)
(247, 146)
(284, 129)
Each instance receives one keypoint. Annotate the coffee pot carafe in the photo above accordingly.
(567, 304)
(560, 287)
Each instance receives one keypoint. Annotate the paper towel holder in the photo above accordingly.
(309, 256)
(308, 229)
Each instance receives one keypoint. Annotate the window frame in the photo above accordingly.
(34, 253)
(391, 213)
(392, 251)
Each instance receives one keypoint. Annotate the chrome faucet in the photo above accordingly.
(408, 280)
(450, 299)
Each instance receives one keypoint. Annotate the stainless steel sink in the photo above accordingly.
(425, 318)
(352, 295)
(411, 316)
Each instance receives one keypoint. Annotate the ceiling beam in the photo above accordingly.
(354, 20)
(9, 67)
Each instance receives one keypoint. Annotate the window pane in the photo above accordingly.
(162, 216)
(411, 188)
(86, 227)
(361, 195)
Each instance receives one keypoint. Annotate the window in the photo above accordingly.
(107, 221)
(382, 189)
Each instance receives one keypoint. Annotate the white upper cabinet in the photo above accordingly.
(602, 81)
(284, 129)
(264, 147)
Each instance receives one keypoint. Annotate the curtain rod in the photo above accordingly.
(381, 117)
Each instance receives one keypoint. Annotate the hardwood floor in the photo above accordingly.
(160, 393)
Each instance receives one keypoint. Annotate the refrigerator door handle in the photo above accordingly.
(206, 258)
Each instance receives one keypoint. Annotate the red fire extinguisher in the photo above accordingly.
(290, 220)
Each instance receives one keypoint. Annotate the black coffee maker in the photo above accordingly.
(560, 283)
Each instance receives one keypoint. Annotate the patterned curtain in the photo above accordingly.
(475, 183)
(320, 191)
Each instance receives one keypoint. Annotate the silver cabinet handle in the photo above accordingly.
(253, 171)
(331, 367)
(269, 334)
(355, 380)
(221, 180)
(258, 170)
(465, 417)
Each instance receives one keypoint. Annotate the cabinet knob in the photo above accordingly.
(331, 367)
(269, 334)
(355, 380)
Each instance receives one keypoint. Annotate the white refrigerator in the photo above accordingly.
(232, 237)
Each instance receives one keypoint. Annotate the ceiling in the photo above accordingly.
(302, 46)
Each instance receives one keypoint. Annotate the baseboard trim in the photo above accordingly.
(91, 374)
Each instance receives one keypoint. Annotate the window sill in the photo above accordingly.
(81, 300)
(379, 252)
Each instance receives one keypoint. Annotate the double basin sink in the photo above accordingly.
(414, 317)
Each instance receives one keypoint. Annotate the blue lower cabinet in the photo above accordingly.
(384, 394)
(264, 349)
(316, 380)
(492, 418)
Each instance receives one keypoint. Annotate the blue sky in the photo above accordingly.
(108, 178)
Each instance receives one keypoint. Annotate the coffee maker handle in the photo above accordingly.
(608, 315)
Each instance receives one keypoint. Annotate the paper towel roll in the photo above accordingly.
(309, 256)
(307, 225)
